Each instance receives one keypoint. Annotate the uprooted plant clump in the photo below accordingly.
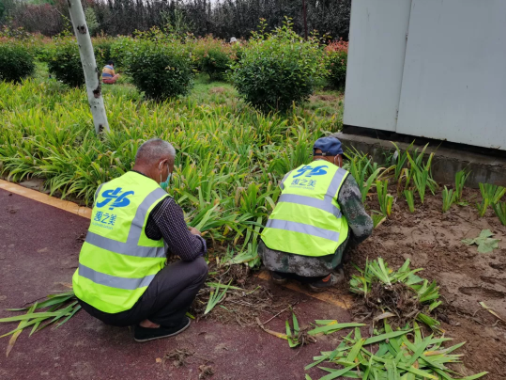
(401, 295)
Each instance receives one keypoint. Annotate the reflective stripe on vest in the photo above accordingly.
(114, 281)
(299, 227)
(307, 219)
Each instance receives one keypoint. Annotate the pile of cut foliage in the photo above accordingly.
(392, 355)
(400, 294)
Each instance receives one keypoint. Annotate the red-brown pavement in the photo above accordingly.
(39, 250)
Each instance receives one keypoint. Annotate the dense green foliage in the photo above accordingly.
(336, 64)
(229, 161)
(64, 62)
(16, 62)
(278, 69)
(216, 63)
(120, 50)
(161, 70)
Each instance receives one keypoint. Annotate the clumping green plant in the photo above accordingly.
(363, 171)
(278, 69)
(336, 60)
(491, 194)
(421, 173)
(16, 62)
(402, 293)
(213, 57)
(500, 211)
(161, 68)
(121, 51)
(386, 200)
(64, 62)
(448, 199)
(460, 180)
(391, 355)
(410, 199)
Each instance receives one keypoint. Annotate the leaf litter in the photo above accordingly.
(485, 243)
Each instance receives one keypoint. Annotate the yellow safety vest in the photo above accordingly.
(307, 219)
(118, 261)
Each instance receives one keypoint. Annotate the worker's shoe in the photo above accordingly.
(327, 282)
(278, 278)
(142, 334)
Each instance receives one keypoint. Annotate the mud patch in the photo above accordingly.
(482, 293)
(432, 240)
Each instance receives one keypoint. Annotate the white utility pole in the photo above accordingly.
(91, 71)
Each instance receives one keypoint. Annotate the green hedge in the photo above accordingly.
(278, 69)
(161, 69)
(16, 62)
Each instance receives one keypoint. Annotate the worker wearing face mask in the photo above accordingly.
(122, 278)
(318, 216)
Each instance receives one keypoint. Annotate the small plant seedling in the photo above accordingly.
(386, 200)
(460, 180)
(491, 194)
(216, 296)
(448, 199)
(377, 218)
(485, 243)
(363, 171)
(500, 211)
(410, 199)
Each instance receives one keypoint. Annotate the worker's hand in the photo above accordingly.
(194, 231)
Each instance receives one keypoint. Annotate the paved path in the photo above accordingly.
(39, 249)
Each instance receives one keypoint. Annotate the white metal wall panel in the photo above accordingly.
(454, 82)
(375, 62)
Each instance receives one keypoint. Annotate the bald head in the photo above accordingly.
(153, 151)
(155, 159)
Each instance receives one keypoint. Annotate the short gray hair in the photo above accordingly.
(151, 151)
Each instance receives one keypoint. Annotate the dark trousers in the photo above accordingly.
(165, 301)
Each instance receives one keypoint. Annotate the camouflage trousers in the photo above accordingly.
(300, 265)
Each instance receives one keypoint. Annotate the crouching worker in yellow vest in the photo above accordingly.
(122, 278)
(319, 213)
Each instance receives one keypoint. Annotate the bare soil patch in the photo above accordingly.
(432, 240)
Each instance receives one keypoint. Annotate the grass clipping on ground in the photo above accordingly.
(400, 294)
(391, 355)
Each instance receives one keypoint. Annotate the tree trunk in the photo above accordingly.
(91, 71)
(304, 12)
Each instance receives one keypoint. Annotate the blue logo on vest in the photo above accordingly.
(120, 199)
(313, 171)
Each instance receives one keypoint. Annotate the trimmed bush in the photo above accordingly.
(65, 63)
(213, 57)
(161, 69)
(102, 49)
(121, 50)
(336, 61)
(16, 62)
(278, 69)
(216, 63)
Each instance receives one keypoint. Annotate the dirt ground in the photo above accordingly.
(432, 240)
